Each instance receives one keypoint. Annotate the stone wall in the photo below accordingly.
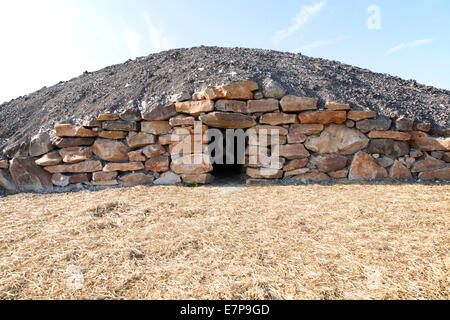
(315, 144)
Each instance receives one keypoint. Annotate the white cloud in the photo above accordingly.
(411, 44)
(302, 18)
(320, 44)
(157, 38)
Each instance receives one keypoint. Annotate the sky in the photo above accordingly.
(47, 41)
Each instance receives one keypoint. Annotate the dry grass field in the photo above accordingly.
(347, 241)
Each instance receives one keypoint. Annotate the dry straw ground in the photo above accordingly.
(268, 242)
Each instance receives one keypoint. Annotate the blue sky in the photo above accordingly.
(45, 41)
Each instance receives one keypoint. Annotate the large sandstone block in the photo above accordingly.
(394, 135)
(239, 91)
(136, 179)
(71, 131)
(158, 112)
(123, 167)
(340, 174)
(104, 176)
(338, 139)
(297, 104)
(271, 89)
(81, 167)
(204, 178)
(120, 125)
(329, 163)
(268, 130)
(195, 108)
(293, 138)
(264, 173)
(109, 150)
(136, 156)
(261, 106)
(232, 106)
(157, 164)
(424, 142)
(364, 167)
(291, 151)
(132, 114)
(141, 139)
(388, 147)
(428, 164)
(60, 180)
(275, 119)
(40, 144)
(72, 142)
(368, 125)
(441, 174)
(361, 115)
(296, 164)
(182, 120)
(306, 129)
(75, 154)
(6, 181)
(312, 176)
(325, 117)
(228, 120)
(108, 117)
(49, 159)
(404, 124)
(156, 127)
(192, 164)
(399, 172)
(168, 179)
(29, 177)
(113, 135)
(332, 106)
(153, 151)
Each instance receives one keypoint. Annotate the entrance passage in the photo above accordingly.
(229, 169)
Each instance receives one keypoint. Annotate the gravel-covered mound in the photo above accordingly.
(159, 76)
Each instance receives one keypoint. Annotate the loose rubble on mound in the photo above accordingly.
(149, 148)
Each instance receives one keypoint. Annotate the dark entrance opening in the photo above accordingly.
(228, 170)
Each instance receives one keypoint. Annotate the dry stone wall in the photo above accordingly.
(165, 145)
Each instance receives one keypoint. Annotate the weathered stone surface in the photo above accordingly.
(71, 131)
(389, 147)
(296, 104)
(92, 124)
(424, 142)
(341, 174)
(196, 129)
(268, 130)
(60, 180)
(437, 155)
(156, 127)
(4, 164)
(28, 176)
(181, 148)
(195, 108)
(192, 164)
(19, 149)
(40, 144)
(158, 164)
(404, 124)
(264, 173)
(136, 179)
(104, 176)
(141, 139)
(441, 174)
(399, 172)
(108, 117)
(306, 129)
(158, 112)
(338, 139)
(407, 161)
(446, 157)
(105, 183)
(394, 135)
(296, 164)
(113, 135)
(6, 181)
(325, 117)
(428, 164)
(266, 140)
(204, 178)
(366, 126)
(385, 162)
(314, 176)
(180, 97)
(167, 139)
(423, 126)
(133, 114)
(79, 178)
(130, 166)
(440, 132)
(275, 119)
(108, 150)
(168, 179)
(296, 172)
(50, 159)
(350, 123)
(291, 151)
(182, 120)
(75, 154)
(330, 162)
(361, 115)
(153, 151)
(272, 89)
(364, 167)
(72, 142)
(332, 106)
(81, 167)
(261, 106)
(232, 106)
(136, 156)
(414, 153)
(228, 120)
(120, 125)
(239, 91)
(293, 138)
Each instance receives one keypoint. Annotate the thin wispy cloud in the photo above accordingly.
(159, 41)
(319, 44)
(307, 12)
(411, 45)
